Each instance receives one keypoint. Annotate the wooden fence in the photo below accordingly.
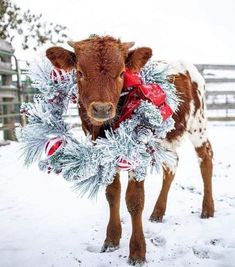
(14, 90)
(9, 90)
(219, 100)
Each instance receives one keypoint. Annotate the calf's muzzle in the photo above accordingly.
(101, 111)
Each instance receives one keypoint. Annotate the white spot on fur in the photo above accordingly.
(189, 117)
(173, 165)
(200, 160)
(196, 77)
(183, 67)
(174, 144)
(131, 175)
(176, 67)
(198, 129)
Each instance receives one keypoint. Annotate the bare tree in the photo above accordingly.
(31, 28)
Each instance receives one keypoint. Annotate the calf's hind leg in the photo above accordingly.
(114, 229)
(198, 137)
(160, 206)
(205, 155)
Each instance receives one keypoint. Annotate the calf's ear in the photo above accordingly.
(61, 58)
(138, 57)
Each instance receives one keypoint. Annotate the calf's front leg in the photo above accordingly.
(114, 229)
(135, 205)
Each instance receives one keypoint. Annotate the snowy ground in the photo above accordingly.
(43, 223)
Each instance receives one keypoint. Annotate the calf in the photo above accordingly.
(100, 64)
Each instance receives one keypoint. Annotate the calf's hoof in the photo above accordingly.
(207, 209)
(109, 247)
(207, 214)
(137, 251)
(135, 262)
(156, 219)
(157, 214)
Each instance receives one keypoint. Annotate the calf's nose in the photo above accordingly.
(101, 110)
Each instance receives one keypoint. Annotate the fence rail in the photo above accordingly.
(15, 91)
(220, 80)
(202, 67)
(219, 100)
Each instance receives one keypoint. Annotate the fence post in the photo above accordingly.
(8, 109)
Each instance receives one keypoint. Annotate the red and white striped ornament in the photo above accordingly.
(57, 75)
(125, 164)
(74, 99)
(53, 145)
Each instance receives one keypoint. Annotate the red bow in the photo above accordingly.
(153, 93)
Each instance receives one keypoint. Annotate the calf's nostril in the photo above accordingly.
(102, 107)
(94, 108)
(109, 108)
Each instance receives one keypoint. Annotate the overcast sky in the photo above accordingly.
(198, 31)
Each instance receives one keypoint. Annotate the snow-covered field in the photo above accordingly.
(43, 223)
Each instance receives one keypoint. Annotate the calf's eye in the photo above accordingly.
(121, 75)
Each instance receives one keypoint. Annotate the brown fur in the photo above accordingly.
(135, 206)
(114, 228)
(160, 206)
(205, 154)
(99, 63)
(61, 57)
(185, 90)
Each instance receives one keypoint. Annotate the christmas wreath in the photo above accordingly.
(133, 142)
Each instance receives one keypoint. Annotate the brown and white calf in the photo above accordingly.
(100, 63)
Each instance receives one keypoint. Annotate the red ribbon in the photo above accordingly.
(153, 93)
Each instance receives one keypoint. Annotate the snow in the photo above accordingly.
(44, 223)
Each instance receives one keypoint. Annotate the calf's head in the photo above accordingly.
(100, 64)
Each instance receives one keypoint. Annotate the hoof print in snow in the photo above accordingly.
(137, 263)
(193, 190)
(158, 241)
(195, 212)
(217, 242)
(121, 256)
(92, 249)
(77, 260)
(200, 253)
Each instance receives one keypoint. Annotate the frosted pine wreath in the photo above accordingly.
(133, 143)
